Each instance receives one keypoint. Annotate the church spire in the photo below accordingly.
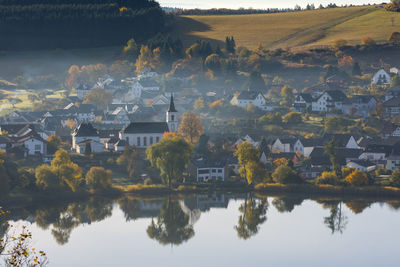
(172, 105)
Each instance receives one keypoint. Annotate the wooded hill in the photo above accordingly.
(40, 24)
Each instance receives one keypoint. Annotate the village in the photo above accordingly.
(140, 114)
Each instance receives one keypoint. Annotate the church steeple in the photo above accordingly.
(172, 116)
(172, 105)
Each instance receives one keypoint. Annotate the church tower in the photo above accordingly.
(172, 116)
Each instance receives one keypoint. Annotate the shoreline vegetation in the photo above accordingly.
(263, 189)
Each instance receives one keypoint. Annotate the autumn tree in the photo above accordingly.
(199, 104)
(357, 178)
(252, 215)
(130, 159)
(327, 178)
(286, 175)
(98, 97)
(213, 62)
(395, 178)
(53, 143)
(366, 40)
(145, 59)
(171, 156)
(131, 50)
(190, 127)
(339, 43)
(120, 69)
(97, 178)
(252, 170)
(287, 96)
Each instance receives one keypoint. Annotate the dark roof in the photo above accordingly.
(205, 163)
(121, 143)
(379, 148)
(146, 127)
(85, 129)
(319, 158)
(249, 95)
(363, 162)
(12, 129)
(172, 105)
(336, 95)
(86, 108)
(4, 139)
(393, 102)
(341, 140)
(360, 99)
(307, 97)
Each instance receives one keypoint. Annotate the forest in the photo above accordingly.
(41, 24)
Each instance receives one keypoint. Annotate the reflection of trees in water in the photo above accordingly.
(253, 214)
(358, 206)
(337, 220)
(97, 209)
(286, 204)
(130, 207)
(172, 226)
(63, 227)
(394, 204)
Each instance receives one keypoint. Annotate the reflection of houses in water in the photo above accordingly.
(150, 208)
(193, 206)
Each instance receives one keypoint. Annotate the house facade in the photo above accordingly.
(381, 78)
(329, 101)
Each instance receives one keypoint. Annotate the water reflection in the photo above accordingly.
(173, 218)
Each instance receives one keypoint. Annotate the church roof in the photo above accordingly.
(146, 127)
(172, 105)
(86, 129)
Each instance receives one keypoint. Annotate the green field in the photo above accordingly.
(294, 29)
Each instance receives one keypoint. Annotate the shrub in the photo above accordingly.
(346, 171)
(147, 181)
(97, 178)
(395, 178)
(286, 175)
(357, 178)
(327, 178)
(293, 118)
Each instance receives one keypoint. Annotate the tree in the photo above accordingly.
(230, 44)
(293, 118)
(97, 178)
(4, 179)
(368, 41)
(394, 37)
(199, 104)
(346, 171)
(171, 156)
(286, 175)
(287, 96)
(130, 158)
(337, 220)
(253, 214)
(131, 50)
(395, 178)
(357, 178)
(98, 97)
(327, 178)
(339, 43)
(46, 179)
(395, 80)
(330, 150)
(190, 127)
(172, 226)
(213, 62)
(337, 124)
(53, 143)
(249, 159)
(356, 70)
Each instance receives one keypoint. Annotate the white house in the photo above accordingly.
(250, 97)
(359, 105)
(144, 134)
(34, 144)
(329, 100)
(393, 162)
(302, 102)
(381, 78)
(85, 132)
(93, 145)
(361, 165)
(204, 170)
(282, 144)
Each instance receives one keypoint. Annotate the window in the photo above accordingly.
(145, 141)
(214, 170)
(219, 171)
(127, 140)
(151, 140)
(172, 117)
(38, 147)
(157, 139)
(138, 141)
(206, 171)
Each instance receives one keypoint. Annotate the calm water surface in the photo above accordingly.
(216, 230)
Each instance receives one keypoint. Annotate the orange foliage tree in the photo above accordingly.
(190, 127)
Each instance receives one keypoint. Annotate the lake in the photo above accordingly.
(215, 230)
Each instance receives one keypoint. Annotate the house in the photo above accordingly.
(5, 142)
(203, 170)
(285, 144)
(302, 102)
(359, 105)
(391, 107)
(341, 140)
(391, 130)
(381, 78)
(376, 152)
(319, 158)
(393, 162)
(247, 138)
(94, 146)
(329, 101)
(310, 172)
(144, 134)
(86, 113)
(251, 97)
(392, 92)
(83, 133)
(361, 165)
(32, 142)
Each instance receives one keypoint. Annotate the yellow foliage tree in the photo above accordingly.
(190, 127)
(357, 178)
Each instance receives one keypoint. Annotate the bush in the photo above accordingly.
(357, 178)
(147, 181)
(97, 178)
(293, 118)
(395, 178)
(327, 178)
(286, 175)
(346, 171)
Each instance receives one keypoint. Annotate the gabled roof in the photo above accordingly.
(379, 148)
(205, 163)
(341, 140)
(249, 95)
(85, 129)
(360, 99)
(319, 158)
(336, 95)
(307, 97)
(146, 127)
(393, 102)
(363, 162)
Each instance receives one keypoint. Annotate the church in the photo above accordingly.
(144, 134)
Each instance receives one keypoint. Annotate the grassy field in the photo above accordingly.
(295, 29)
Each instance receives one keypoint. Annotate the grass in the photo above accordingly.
(294, 29)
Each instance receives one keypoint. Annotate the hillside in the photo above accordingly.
(294, 29)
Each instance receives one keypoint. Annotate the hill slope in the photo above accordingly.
(294, 29)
